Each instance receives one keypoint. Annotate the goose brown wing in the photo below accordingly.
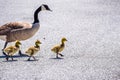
(13, 26)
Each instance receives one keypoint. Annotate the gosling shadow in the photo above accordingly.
(59, 58)
(15, 56)
(10, 61)
(31, 60)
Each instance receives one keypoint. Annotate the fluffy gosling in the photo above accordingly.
(33, 50)
(59, 48)
(11, 50)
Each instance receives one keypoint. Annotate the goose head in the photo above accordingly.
(45, 7)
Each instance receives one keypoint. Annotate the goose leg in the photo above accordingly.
(4, 48)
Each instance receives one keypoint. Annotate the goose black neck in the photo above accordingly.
(36, 20)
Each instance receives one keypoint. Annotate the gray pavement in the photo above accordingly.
(93, 32)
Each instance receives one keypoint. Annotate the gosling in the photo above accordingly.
(11, 50)
(59, 48)
(33, 50)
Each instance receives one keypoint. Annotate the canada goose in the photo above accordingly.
(58, 48)
(33, 50)
(12, 31)
(11, 50)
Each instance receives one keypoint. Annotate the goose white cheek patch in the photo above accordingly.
(43, 8)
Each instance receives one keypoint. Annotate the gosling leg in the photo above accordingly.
(7, 58)
(34, 58)
(29, 58)
(11, 57)
(57, 55)
(20, 53)
(61, 54)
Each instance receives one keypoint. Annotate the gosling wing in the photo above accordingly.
(55, 48)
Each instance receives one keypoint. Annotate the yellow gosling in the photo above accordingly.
(59, 48)
(11, 50)
(33, 50)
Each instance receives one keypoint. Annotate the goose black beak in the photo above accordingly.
(50, 10)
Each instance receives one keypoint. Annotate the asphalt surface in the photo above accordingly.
(93, 32)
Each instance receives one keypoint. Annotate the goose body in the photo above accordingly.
(11, 50)
(31, 51)
(9, 32)
(13, 31)
(59, 47)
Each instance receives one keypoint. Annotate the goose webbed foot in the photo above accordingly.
(3, 52)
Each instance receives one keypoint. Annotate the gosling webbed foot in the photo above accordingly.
(12, 58)
(29, 58)
(21, 54)
(57, 57)
(61, 55)
(7, 58)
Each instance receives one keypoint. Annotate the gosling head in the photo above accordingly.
(63, 39)
(45, 7)
(17, 43)
(38, 42)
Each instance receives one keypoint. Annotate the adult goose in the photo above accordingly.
(13, 31)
